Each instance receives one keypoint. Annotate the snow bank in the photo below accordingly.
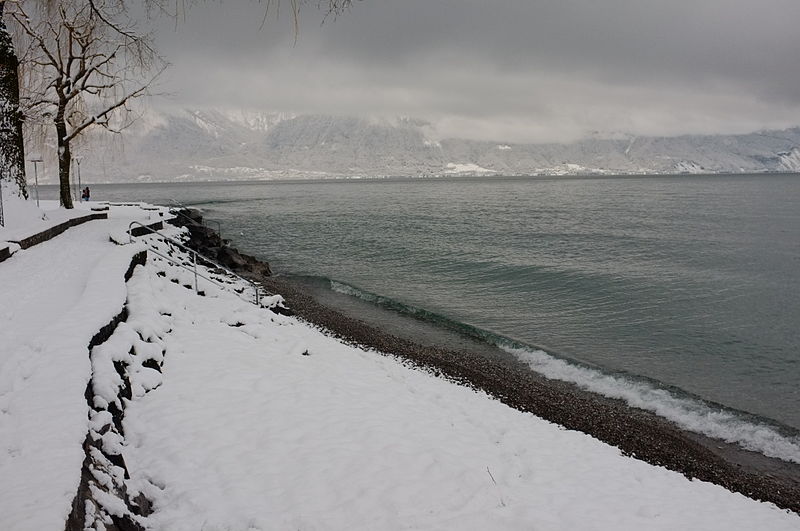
(262, 422)
(23, 218)
(17, 212)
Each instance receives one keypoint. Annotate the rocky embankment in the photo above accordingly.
(103, 499)
(124, 366)
(207, 242)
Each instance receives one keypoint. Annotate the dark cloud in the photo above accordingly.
(533, 70)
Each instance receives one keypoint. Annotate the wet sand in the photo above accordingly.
(635, 432)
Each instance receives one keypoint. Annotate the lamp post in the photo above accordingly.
(2, 221)
(78, 164)
(36, 177)
(76, 174)
(74, 187)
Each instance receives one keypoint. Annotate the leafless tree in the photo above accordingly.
(85, 60)
(85, 63)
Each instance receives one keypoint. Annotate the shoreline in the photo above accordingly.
(635, 432)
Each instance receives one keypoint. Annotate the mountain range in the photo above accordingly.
(195, 145)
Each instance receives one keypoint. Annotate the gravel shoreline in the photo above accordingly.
(635, 432)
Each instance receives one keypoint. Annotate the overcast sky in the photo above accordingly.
(513, 70)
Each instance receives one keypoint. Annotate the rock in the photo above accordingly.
(203, 232)
(264, 270)
(230, 258)
(207, 242)
(281, 310)
(256, 266)
(193, 214)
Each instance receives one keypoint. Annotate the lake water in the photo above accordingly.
(678, 294)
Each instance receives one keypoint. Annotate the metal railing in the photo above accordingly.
(194, 254)
(181, 206)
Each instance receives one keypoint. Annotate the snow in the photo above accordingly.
(432, 144)
(182, 143)
(23, 218)
(790, 161)
(685, 166)
(260, 421)
(453, 168)
(62, 292)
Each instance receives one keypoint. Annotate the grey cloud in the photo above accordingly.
(506, 69)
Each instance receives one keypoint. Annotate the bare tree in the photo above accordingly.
(85, 64)
(86, 61)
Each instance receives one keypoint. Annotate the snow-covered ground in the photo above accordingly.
(259, 421)
(23, 219)
(55, 297)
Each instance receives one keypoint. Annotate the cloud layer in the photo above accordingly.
(516, 70)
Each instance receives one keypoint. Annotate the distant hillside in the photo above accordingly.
(214, 145)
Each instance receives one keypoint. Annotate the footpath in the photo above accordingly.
(56, 295)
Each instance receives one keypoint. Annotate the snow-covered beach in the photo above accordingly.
(226, 415)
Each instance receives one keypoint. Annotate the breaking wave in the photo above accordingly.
(688, 412)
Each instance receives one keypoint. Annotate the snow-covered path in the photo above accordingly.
(55, 297)
(46, 280)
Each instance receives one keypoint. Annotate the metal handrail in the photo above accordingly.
(182, 265)
(195, 254)
(219, 225)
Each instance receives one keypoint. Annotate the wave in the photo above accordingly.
(413, 311)
(688, 412)
(204, 202)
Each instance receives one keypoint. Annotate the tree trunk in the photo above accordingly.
(64, 158)
(12, 149)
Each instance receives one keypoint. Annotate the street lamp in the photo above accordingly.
(75, 196)
(76, 173)
(36, 176)
(2, 221)
(78, 164)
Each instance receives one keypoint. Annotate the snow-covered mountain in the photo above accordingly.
(216, 145)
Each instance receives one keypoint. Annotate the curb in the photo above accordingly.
(52, 232)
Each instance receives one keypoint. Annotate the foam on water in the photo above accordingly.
(689, 413)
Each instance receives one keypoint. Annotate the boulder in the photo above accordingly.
(230, 258)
